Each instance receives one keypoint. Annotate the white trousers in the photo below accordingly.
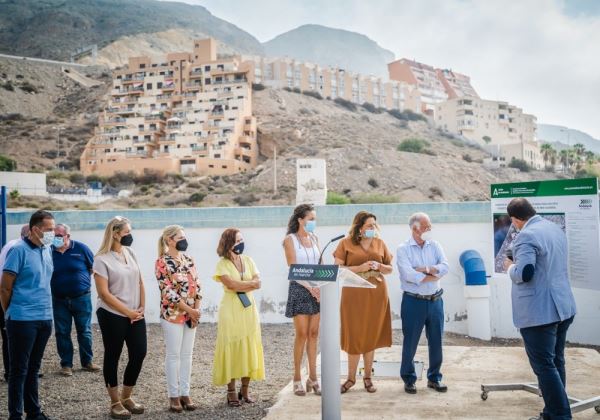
(179, 341)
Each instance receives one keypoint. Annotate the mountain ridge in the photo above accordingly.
(328, 46)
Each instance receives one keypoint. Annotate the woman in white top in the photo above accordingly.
(121, 300)
(302, 247)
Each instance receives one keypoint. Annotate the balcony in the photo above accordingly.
(193, 86)
(155, 117)
(168, 96)
(168, 87)
(131, 79)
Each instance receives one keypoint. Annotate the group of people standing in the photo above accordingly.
(366, 322)
(46, 277)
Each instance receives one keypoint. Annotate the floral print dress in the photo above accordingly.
(177, 280)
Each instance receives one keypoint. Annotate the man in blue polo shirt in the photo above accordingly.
(27, 302)
(71, 299)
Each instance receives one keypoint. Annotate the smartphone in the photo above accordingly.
(189, 323)
(509, 254)
(244, 299)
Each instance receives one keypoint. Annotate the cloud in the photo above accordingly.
(537, 54)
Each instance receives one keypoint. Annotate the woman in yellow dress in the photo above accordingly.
(239, 351)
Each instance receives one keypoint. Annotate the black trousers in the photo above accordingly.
(116, 331)
(4, 344)
(26, 343)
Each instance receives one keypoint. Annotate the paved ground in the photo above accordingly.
(465, 369)
(83, 396)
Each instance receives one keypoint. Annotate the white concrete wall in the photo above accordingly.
(264, 245)
(27, 183)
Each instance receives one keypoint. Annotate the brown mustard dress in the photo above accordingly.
(365, 313)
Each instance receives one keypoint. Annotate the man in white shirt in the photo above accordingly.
(421, 264)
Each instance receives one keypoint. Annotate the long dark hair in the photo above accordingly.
(300, 212)
(358, 222)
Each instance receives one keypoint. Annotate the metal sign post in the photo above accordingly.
(329, 278)
(325, 276)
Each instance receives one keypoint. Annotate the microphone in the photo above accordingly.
(337, 238)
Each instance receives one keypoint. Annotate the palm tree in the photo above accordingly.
(564, 159)
(579, 149)
(590, 157)
(547, 152)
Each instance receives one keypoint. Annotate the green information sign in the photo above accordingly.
(559, 187)
(313, 272)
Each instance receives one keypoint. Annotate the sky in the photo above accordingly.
(540, 55)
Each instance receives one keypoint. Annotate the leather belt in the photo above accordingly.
(87, 292)
(437, 295)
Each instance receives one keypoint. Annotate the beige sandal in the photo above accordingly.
(299, 389)
(132, 406)
(119, 413)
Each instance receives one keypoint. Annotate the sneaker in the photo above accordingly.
(65, 371)
(91, 367)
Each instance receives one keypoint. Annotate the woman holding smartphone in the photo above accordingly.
(179, 313)
(238, 351)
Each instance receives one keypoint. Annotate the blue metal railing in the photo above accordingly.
(3, 210)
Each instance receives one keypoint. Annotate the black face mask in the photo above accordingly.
(239, 248)
(126, 240)
(181, 245)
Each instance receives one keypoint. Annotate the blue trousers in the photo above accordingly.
(545, 347)
(26, 344)
(65, 311)
(416, 314)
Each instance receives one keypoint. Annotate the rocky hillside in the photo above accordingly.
(359, 145)
(45, 117)
(334, 47)
(564, 137)
(55, 28)
(154, 44)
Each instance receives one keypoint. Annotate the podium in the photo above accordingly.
(329, 278)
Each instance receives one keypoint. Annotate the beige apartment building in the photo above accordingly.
(191, 113)
(435, 85)
(335, 83)
(503, 129)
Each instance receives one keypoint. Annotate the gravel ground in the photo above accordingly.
(83, 396)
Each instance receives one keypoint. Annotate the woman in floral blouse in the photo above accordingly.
(180, 313)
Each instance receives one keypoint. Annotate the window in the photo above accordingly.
(207, 81)
(223, 166)
(148, 86)
(141, 127)
(211, 166)
(159, 85)
(142, 66)
(206, 68)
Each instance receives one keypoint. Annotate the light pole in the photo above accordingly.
(57, 146)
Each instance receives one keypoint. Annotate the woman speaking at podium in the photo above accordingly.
(365, 313)
(302, 247)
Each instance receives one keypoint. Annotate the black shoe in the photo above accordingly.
(40, 416)
(40, 375)
(437, 385)
(410, 389)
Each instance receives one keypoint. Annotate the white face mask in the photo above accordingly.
(48, 238)
(427, 236)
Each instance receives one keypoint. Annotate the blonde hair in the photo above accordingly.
(167, 233)
(116, 224)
